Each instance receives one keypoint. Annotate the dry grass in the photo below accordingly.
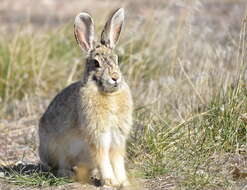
(185, 64)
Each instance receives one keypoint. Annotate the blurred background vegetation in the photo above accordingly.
(185, 62)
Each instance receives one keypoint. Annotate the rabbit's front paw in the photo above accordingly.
(110, 182)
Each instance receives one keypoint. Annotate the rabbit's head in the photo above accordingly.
(101, 63)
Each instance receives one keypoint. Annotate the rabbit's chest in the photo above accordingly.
(107, 113)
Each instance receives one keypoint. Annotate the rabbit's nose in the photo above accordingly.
(115, 77)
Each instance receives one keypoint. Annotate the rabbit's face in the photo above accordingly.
(102, 68)
(102, 64)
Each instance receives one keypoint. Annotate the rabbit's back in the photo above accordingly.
(61, 144)
(62, 112)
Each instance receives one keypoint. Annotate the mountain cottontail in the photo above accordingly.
(88, 122)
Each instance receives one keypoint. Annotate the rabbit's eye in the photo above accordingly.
(95, 63)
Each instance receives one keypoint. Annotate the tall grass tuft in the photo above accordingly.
(34, 63)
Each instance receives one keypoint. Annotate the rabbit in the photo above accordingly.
(88, 122)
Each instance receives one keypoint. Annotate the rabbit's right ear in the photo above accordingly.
(112, 29)
(84, 31)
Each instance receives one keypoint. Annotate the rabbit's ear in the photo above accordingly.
(112, 29)
(84, 31)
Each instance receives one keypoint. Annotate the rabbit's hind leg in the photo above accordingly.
(65, 172)
(70, 150)
(64, 166)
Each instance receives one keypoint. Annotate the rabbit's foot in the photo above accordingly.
(110, 182)
(125, 183)
(95, 173)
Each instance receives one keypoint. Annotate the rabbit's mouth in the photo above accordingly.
(107, 86)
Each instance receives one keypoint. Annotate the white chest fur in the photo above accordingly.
(108, 114)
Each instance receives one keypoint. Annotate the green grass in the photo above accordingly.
(36, 179)
(30, 175)
(192, 151)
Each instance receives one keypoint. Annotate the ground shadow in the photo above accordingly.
(34, 169)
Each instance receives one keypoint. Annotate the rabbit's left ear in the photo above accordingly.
(112, 29)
